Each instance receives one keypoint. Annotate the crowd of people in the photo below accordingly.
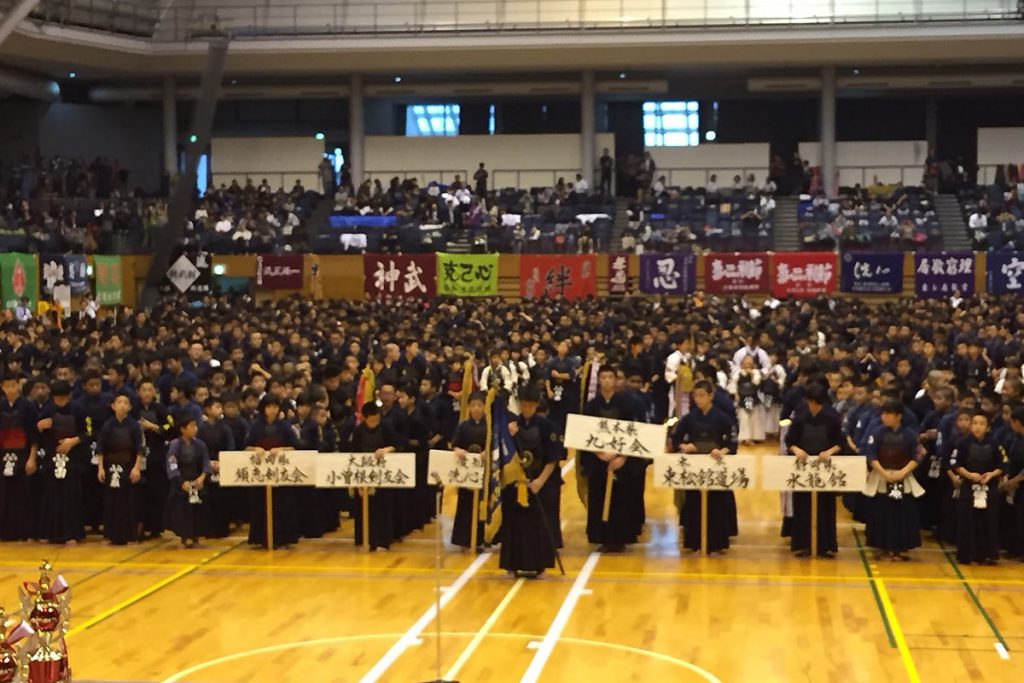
(114, 424)
(995, 215)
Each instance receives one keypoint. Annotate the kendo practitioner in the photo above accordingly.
(396, 422)
(216, 436)
(707, 430)
(470, 437)
(19, 441)
(562, 386)
(530, 495)
(421, 433)
(816, 432)
(119, 450)
(603, 468)
(188, 467)
(92, 410)
(933, 480)
(60, 518)
(317, 434)
(269, 436)
(979, 461)
(1013, 516)
(370, 436)
(156, 426)
(894, 525)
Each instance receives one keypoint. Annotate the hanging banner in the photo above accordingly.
(668, 273)
(345, 470)
(52, 273)
(467, 274)
(839, 473)
(572, 276)
(76, 274)
(20, 273)
(938, 275)
(247, 468)
(279, 271)
(803, 274)
(400, 276)
(189, 273)
(618, 273)
(682, 471)
(108, 279)
(867, 273)
(606, 435)
(447, 469)
(1004, 272)
(736, 273)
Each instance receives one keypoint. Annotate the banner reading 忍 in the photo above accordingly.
(447, 469)
(279, 271)
(467, 274)
(569, 276)
(685, 471)
(606, 435)
(20, 273)
(869, 273)
(803, 274)
(618, 273)
(247, 468)
(108, 279)
(345, 470)
(671, 274)
(839, 473)
(736, 273)
(400, 276)
(1004, 272)
(938, 275)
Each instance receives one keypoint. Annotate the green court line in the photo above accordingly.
(874, 589)
(92, 576)
(974, 598)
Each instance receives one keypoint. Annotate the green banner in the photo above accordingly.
(108, 279)
(20, 273)
(467, 274)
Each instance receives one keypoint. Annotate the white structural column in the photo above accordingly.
(170, 102)
(828, 130)
(588, 103)
(356, 131)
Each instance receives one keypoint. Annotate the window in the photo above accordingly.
(490, 121)
(671, 124)
(202, 174)
(431, 119)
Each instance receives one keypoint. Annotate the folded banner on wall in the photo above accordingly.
(467, 274)
(867, 273)
(668, 273)
(279, 271)
(570, 276)
(736, 273)
(20, 273)
(938, 275)
(400, 276)
(1005, 272)
(618, 273)
(108, 279)
(803, 274)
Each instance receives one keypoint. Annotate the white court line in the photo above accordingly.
(567, 467)
(411, 636)
(561, 619)
(1002, 651)
(484, 630)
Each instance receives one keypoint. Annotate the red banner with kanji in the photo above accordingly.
(569, 276)
(736, 273)
(804, 274)
(400, 276)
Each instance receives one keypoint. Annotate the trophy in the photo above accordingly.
(46, 608)
(12, 668)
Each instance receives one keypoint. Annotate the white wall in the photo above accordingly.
(998, 147)
(861, 162)
(281, 161)
(513, 160)
(693, 166)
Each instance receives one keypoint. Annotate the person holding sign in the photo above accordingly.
(816, 432)
(893, 525)
(188, 466)
(268, 438)
(979, 461)
(119, 449)
(609, 469)
(530, 494)
(708, 431)
(470, 437)
(370, 436)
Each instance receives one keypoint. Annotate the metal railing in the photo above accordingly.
(418, 16)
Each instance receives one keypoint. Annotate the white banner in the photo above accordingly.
(246, 468)
(448, 470)
(684, 471)
(344, 470)
(839, 473)
(622, 437)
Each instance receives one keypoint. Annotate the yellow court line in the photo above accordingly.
(897, 632)
(797, 577)
(484, 630)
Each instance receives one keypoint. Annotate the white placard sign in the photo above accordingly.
(839, 473)
(246, 468)
(354, 470)
(448, 469)
(685, 471)
(622, 437)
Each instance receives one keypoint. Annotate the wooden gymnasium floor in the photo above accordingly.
(324, 612)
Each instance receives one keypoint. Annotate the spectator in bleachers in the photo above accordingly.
(581, 186)
(480, 178)
(607, 166)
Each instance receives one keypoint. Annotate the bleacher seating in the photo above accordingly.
(900, 218)
(994, 217)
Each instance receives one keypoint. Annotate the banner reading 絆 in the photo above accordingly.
(400, 276)
(803, 274)
(736, 273)
(572, 276)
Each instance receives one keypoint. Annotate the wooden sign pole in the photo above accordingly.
(704, 522)
(270, 517)
(814, 524)
(609, 481)
(365, 492)
(475, 521)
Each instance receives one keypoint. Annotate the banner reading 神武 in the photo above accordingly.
(569, 276)
(399, 276)
(467, 274)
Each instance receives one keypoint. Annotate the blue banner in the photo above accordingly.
(868, 273)
(338, 222)
(939, 275)
(668, 273)
(76, 274)
(1005, 272)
